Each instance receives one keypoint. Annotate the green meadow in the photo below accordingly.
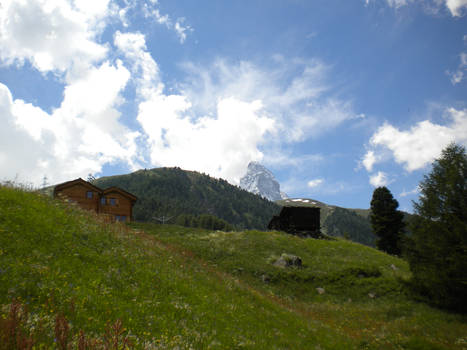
(70, 281)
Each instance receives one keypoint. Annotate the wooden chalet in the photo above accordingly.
(113, 202)
(297, 220)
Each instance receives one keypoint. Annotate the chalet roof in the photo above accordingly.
(122, 192)
(89, 185)
(74, 182)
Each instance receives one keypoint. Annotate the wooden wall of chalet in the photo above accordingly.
(122, 205)
(293, 219)
(79, 193)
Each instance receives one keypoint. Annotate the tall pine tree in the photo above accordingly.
(438, 251)
(386, 221)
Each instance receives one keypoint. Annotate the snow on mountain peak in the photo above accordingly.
(259, 180)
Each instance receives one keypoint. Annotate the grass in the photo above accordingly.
(60, 260)
(365, 291)
(68, 278)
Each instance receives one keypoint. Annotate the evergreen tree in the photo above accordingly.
(386, 221)
(438, 251)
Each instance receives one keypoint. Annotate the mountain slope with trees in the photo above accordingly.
(168, 194)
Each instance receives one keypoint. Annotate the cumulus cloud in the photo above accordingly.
(222, 145)
(379, 179)
(298, 110)
(77, 138)
(84, 132)
(420, 145)
(456, 6)
(223, 115)
(217, 120)
(315, 183)
(52, 35)
(20, 152)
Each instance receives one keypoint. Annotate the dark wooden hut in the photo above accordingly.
(302, 221)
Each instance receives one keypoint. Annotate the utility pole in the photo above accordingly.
(44, 181)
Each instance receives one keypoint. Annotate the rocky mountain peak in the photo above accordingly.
(259, 180)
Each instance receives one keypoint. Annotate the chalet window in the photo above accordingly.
(121, 218)
(113, 201)
(89, 194)
(103, 200)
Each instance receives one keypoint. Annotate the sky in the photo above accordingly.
(335, 97)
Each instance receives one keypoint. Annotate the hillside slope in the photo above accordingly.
(356, 290)
(169, 192)
(175, 287)
(64, 264)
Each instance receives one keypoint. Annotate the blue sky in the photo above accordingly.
(334, 97)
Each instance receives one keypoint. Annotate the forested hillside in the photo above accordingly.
(169, 193)
(346, 223)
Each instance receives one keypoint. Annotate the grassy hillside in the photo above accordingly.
(356, 290)
(171, 192)
(174, 287)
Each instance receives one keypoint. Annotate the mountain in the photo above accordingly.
(173, 193)
(259, 180)
(353, 224)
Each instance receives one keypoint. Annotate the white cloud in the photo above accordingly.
(315, 183)
(421, 144)
(150, 11)
(21, 154)
(458, 75)
(52, 35)
(144, 68)
(456, 6)
(369, 160)
(280, 158)
(221, 146)
(223, 115)
(415, 191)
(78, 138)
(197, 131)
(379, 179)
(84, 132)
(302, 108)
(181, 30)
(398, 3)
